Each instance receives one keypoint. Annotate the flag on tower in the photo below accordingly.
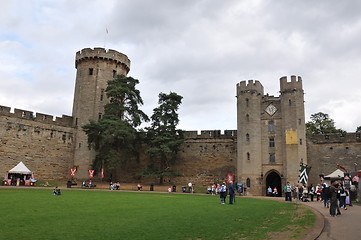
(304, 172)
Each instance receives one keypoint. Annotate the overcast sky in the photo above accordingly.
(198, 49)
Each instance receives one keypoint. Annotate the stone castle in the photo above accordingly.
(267, 148)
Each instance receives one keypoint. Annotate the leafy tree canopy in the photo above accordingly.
(114, 137)
(124, 101)
(164, 139)
(321, 123)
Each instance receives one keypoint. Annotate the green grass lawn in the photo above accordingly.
(37, 214)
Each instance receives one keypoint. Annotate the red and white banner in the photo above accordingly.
(230, 177)
(102, 172)
(91, 173)
(73, 171)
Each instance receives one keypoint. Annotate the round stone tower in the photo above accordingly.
(94, 68)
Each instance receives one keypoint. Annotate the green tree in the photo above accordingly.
(321, 123)
(358, 129)
(164, 139)
(115, 137)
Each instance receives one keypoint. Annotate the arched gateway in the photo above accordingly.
(273, 180)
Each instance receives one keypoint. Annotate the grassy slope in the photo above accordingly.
(120, 215)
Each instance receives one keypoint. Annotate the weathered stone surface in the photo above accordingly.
(46, 149)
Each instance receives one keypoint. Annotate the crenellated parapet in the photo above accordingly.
(210, 134)
(102, 54)
(334, 138)
(64, 121)
(294, 85)
(250, 87)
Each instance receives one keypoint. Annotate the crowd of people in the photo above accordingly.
(334, 196)
(223, 191)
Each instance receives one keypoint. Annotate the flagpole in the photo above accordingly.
(105, 37)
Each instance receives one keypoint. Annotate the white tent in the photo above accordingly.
(20, 168)
(336, 174)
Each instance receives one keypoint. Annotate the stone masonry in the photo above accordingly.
(270, 140)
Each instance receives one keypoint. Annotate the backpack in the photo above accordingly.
(327, 192)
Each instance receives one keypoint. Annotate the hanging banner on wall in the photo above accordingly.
(91, 173)
(72, 172)
(102, 173)
(304, 172)
(230, 177)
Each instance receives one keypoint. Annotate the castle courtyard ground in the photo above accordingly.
(346, 226)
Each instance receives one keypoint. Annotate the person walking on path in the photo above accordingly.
(288, 191)
(343, 195)
(231, 192)
(333, 200)
(311, 191)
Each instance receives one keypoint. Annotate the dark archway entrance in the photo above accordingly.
(274, 180)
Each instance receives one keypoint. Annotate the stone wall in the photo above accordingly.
(202, 160)
(46, 148)
(325, 152)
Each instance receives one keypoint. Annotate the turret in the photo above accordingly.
(95, 67)
(295, 84)
(252, 87)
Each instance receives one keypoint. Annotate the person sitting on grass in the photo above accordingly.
(56, 191)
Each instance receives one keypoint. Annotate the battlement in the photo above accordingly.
(102, 54)
(210, 134)
(251, 86)
(335, 138)
(65, 121)
(295, 84)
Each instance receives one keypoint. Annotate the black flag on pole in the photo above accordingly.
(304, 172)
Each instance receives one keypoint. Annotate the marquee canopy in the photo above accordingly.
(336, 174)
(20, 168)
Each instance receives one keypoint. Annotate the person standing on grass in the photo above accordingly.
(231, 192)
(223, 193)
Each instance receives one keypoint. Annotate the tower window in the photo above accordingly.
(247, 117)
(91, 70)
(289, 102)
(114, 73)
(272, 142)
(248, 182)
(248, 156)
(247, 102)
(300, 141)
(299, 121)
(247, 137)
(271, 126)
(272, 157)
(101, 94)
(100, 116)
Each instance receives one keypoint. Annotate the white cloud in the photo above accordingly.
(199, 49)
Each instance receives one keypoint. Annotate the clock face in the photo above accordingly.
(271, 109)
